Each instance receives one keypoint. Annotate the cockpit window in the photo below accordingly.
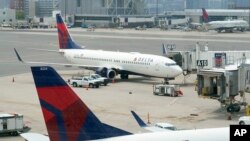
(170, 64)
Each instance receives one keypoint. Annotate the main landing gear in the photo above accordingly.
(124, 76)
(166, 81)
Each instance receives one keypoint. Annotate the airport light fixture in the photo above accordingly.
(157, 4)
(249, 15)
(65, 10)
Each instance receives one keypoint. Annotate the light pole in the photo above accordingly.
(157, 8)
(249, 15)
(65, 10)
(156, 14)
(116, 8)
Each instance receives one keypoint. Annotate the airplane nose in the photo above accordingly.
(177, 71)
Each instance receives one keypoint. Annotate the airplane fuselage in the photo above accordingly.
(213, 134)
(133, 63)
(227, 25)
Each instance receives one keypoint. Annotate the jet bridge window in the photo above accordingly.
(248, 78)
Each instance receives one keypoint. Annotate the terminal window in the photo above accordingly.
(78, 3)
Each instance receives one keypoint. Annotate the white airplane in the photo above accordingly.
(67, 117)
(229, 25)
(111, 63)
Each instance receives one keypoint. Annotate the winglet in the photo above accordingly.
(18, 56)
(164, 50)
(139, 120)
(66, 116)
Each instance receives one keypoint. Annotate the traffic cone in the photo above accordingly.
(87, 88)
(229, 117)
(113, 81)
(148, 119)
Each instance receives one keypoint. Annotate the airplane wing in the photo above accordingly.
(155, 129)
(43, 50)
(35, 137)
(143, 125)
(91, 67)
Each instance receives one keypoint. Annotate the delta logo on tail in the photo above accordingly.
(65, 41)
(67, 118)
(204, 15)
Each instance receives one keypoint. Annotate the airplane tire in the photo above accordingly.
(124, 76)
(15, 133)
(230, 109)
(242, 123)
(91, 85)
(74, 85)
(233, 108)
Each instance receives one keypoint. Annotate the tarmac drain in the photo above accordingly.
(130, 92)
(194, 115)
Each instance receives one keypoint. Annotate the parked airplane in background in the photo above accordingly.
(110, 63)
(159, 127)
(67, 118)
(227, 26)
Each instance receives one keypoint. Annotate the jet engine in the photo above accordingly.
(105, 72)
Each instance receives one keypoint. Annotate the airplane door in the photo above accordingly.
(5, 125)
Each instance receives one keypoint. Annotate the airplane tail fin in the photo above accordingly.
(66, 116)
(204, 15)
(65, 40)
(139, 120)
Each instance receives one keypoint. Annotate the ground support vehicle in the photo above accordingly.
(84, 82)
(164, 89)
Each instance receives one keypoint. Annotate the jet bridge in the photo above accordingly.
(201, 58)
(224, 84)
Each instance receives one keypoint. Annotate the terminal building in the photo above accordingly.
(217, 4)
(107, 13)
(7, 17)
(101, 12)
(131, 13)
(218, 14)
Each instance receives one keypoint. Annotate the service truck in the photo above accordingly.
(244, 120)
(11, 124)
(164, 89)
(103, 80)
(84, 82)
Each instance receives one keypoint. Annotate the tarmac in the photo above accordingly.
(112, 104)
